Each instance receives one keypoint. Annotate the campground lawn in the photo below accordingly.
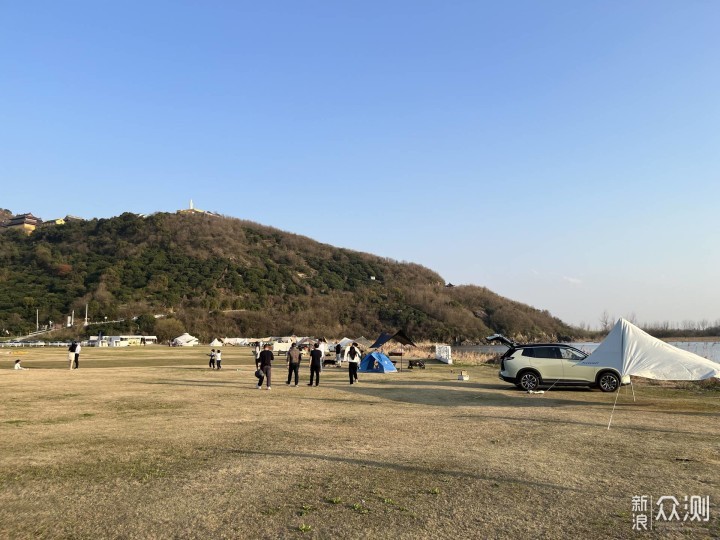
(147, 442)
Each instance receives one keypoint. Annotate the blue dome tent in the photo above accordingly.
(376, 362)
(398, 336)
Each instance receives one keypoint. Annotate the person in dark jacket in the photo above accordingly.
(316, 356)
(211, 364)
(264, 364)
(338, 355)
(293, 361)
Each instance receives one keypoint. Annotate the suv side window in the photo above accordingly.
(569, 354)
(528, 351)
(547, 352)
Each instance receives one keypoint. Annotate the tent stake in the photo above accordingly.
(617, 395)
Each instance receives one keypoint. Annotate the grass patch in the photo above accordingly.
(170, 447)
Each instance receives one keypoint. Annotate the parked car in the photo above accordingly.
(531, 366)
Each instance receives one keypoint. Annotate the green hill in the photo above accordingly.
(220, 276)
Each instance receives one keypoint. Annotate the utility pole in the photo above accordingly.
(86, 314)
(37, 320)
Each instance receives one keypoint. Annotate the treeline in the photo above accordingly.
(216, 276)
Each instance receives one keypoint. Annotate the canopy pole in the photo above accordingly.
(551, 386)
(633, 390)
(617, 395)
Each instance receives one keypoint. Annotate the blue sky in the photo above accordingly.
(561, 153)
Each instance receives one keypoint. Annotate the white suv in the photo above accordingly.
(544, 364)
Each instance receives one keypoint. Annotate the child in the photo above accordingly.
(218, 358)
(211, 364)
(18, 366)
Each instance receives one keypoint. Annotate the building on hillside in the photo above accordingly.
(193, 210)
(60, 221)
(26, 222)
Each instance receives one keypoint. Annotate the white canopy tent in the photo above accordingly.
(634, 352)
(235, 341)
(216, 343)
(631, 351)
(186, 340)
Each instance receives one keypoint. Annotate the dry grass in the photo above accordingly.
(149, 443)
(426, 351)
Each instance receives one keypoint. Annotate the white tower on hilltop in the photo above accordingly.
(191, 204)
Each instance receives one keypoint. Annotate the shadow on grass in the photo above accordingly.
(454, 395)
(191, 382)
(403, 468)
(619, 415)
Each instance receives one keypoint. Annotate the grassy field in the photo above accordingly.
(150, 443)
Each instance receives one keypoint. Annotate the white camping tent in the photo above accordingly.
(216, 343)
(186, 340)
(634, 352)
(235, 341)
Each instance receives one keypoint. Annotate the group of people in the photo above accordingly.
(215, 359)
(265, 357)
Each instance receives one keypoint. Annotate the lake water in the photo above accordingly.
(706, 349)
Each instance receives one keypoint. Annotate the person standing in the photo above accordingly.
(315, 365)
(338, 355)
(264, 364)
(293, 361)
(71, 353)
(211, 364)
(77, 355)
(218, 359)
(256, 352)
(322, 345)
(353, 361)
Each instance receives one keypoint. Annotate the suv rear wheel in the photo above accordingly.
(608, 382)
(529, 380)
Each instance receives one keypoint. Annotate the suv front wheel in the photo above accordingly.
(529, 380)
(608, 382)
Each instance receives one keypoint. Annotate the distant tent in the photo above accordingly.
(186, 340)
(376, 362)
(363, 342)
(344, 342)
(235, 341)
(398, 336)
(216, 343)
(306, 341)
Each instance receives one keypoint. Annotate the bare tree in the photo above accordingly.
(605, 321)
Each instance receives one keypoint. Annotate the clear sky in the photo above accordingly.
(565, 154)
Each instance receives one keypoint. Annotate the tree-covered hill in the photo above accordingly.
(219, 276)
